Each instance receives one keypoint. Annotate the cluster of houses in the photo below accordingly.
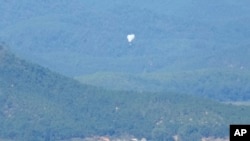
(106, 138)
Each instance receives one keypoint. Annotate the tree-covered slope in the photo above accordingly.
(37, 104)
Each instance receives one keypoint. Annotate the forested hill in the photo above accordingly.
(18, 74)
(35, 101)
(37, 104)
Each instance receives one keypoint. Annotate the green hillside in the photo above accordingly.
(37, 104)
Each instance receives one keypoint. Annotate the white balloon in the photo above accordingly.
(130, 37)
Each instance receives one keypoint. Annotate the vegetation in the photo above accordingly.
(185, 55)
(219, 84)
(37, 104)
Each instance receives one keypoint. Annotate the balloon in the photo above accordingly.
(130, 37)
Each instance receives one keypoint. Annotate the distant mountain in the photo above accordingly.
(232, 84)
(37, 104)
(83, 37)
(172, 39)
